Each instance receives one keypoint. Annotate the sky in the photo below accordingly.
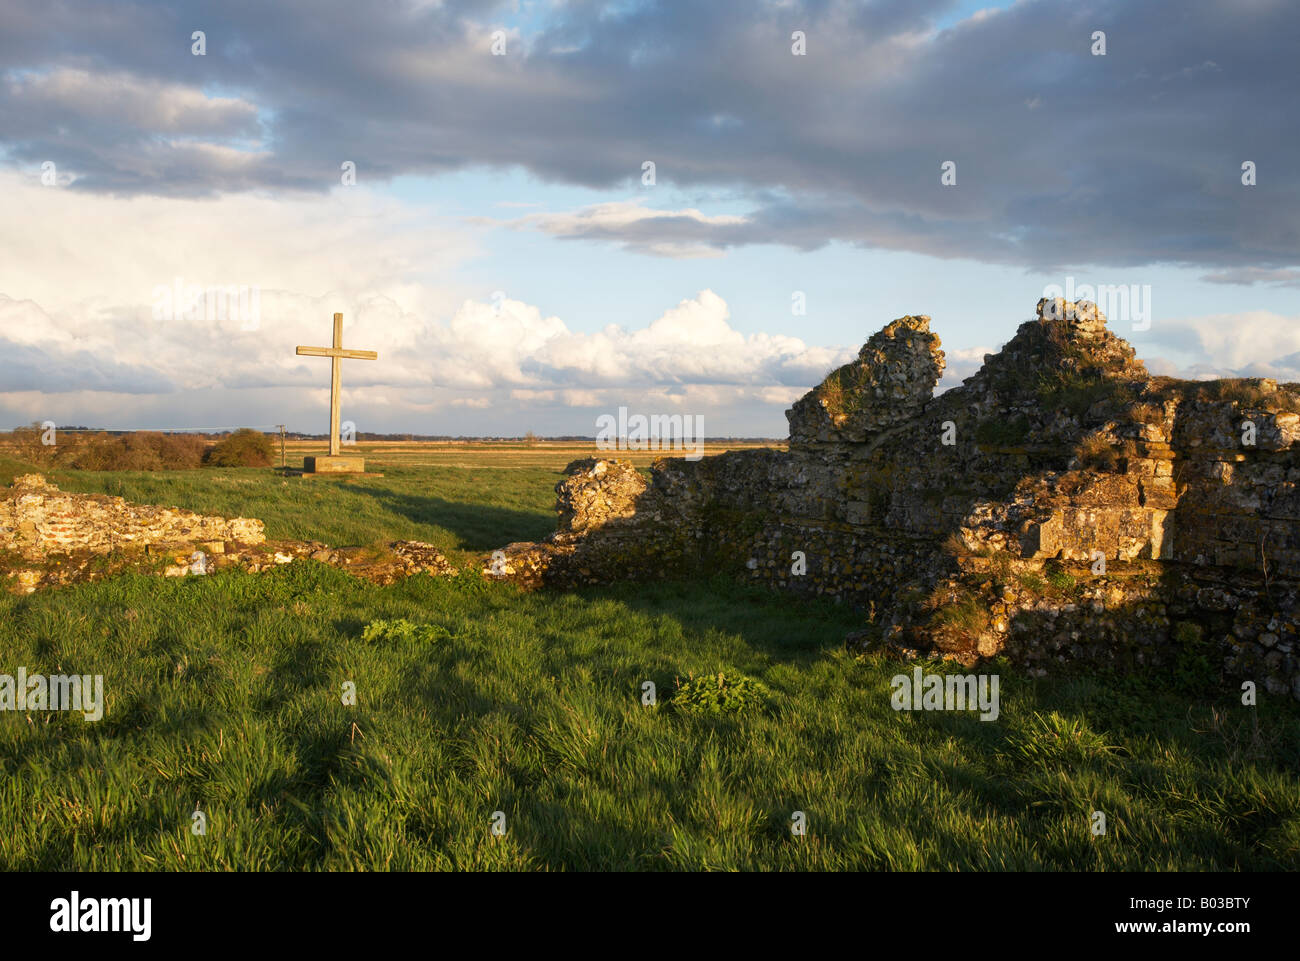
(467, 183)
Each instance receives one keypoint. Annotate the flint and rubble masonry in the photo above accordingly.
(1200, 530)
(37, 519)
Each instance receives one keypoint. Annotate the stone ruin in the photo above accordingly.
(50, 537)
(1060, 504)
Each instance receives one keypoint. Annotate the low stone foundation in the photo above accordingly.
(51, 538)
(37, 520)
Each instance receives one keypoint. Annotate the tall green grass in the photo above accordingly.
(224, 694)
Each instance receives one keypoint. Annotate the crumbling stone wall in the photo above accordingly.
(1171, 515)
(37, 519)
(889, 383)
(51, 538)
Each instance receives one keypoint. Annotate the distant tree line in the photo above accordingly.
(143, 450)
(529, 437)
(83, 448)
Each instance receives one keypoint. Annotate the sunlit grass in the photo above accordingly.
(224, 695)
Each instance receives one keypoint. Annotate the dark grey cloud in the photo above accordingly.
(51, 370)
(1063, 158)
(1245, 276)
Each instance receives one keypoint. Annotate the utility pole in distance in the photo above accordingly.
(282, 464)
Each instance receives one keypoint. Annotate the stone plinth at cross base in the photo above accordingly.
(334, 464)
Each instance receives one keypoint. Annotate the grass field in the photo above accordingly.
(224, 694)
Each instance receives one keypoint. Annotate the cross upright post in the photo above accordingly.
(336, 463)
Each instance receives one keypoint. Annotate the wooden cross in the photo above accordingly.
(337, 355)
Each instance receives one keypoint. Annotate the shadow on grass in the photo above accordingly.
(477, 527)
(786, 630)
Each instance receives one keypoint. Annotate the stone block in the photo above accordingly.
(340, 464)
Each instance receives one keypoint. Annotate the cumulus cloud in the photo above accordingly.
(63, 341)
(503, 358)
(692, 342)
(1246, 276)
(56, 364)
(1230, 345)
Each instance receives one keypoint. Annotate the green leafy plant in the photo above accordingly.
(1053, 739)
(717, 695)
(1032, 582)
(1062, 580)
(403, 630)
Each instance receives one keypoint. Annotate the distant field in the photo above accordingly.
(478, 454)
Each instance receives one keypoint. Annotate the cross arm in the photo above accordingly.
(337, 352)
